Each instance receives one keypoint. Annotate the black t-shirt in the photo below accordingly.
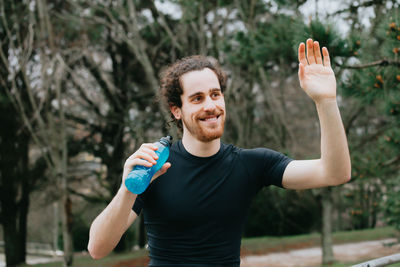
(195, 212)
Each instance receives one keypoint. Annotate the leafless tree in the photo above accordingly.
(37, 69)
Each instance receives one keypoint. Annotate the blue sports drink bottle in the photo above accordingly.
(139, 178)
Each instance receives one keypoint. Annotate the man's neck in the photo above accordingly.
(200, 149)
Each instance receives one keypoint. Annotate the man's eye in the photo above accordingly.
(197, 98)
(215, 94)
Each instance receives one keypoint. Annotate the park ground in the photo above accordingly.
(350, 247)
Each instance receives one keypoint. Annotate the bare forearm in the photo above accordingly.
(335, 155)
(318, 80)
(107, 229)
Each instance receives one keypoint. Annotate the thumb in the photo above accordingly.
(163, 170)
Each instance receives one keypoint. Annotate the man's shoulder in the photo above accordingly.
(230, 147)
(252, 151)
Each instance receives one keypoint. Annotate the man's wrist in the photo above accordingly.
(124, 191)
(326, 102)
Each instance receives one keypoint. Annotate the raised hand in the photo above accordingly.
(315, 73)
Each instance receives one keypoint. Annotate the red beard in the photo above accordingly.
(206, 126)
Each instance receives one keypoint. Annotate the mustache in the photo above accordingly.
(206, 114)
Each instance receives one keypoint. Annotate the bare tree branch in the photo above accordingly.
(82, 93)
(362, 141)
(159, 16)
(383, 62)
(354, 8)
(271, 100)
(92, 199)
(349, 123)
(391, 161)
(104, 85)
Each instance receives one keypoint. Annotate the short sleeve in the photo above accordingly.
(138, 205)
(266, 165)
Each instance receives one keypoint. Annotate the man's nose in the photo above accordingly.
(209, 104)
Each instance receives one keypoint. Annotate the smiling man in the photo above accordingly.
(195, 211)
(204, 114)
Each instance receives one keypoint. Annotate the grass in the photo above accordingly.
(87, 261)
(258, 245)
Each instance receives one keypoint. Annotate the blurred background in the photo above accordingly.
(79, 85)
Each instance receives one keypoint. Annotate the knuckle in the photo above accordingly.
(129, 163)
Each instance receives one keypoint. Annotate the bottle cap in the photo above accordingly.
(166, 140)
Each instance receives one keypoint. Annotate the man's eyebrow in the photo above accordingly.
(195, 94)
(200, 93)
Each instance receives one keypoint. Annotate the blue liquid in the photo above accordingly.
(139, 178)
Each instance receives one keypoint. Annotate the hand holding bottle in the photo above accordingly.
(145, 165)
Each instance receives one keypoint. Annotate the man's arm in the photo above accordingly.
(108, 228)
(334, 167)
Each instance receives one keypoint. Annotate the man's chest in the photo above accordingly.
(190, 195)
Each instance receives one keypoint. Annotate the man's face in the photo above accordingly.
(203, 105)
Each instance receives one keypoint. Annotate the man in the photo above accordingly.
(195, 212)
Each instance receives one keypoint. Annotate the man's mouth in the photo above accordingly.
(210, 118)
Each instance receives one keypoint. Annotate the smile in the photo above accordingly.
(210, 118)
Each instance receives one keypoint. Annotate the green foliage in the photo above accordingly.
(80, 234)
(382, 81)
(389, 31)
(328, 36)
(392, 204)
(366, 85)
(392, 139)
(290, 3)
(276, 212)
(269, 43)
(375, 161)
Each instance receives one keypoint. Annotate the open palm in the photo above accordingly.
(315, 74)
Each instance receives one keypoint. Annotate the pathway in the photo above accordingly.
(353, 252)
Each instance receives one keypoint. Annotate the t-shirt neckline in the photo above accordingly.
(187, 153)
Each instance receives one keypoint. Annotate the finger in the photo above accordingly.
(310, 52)
(147, 149)
(131, 163)
(317, 53)
(302, 54)
(140, 162)
(149, 145)
(163, 170)
(150, 152)
(327, 60)
(301, 71)
(145, 156)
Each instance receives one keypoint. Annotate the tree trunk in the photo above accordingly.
(14, 213)
(68, 217)
(56, 226)
(66, 228)
(14, 187)
(14, 249)
(326, 235)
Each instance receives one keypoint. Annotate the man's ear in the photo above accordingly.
(176, 111)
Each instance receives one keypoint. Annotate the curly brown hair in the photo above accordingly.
(171, 88)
